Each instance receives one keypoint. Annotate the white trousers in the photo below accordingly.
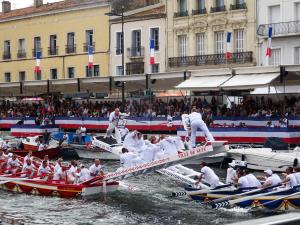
(199, 124)
(110, 130)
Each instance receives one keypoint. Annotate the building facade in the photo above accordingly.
(197, 29)
(140, 26)
(284, 18)
(62, 32)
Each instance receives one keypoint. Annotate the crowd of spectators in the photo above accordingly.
(249, 106)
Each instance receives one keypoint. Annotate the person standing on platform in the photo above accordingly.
(196, 122)
(113, 122)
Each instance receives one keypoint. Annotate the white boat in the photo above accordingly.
(265, 158)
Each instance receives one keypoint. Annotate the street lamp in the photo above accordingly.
(113, 13)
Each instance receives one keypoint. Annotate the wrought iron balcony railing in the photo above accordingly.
(86, 46)
(135, 68)
(21, 54)
(214, 59)
(238, 6)
(53, 50)
(70, 49)
(6, 55)
(136, 52)
(218, 9)
(181, 14)
(283, 28)
(199, 11)
(34, 50)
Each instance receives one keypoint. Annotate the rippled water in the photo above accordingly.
(149, 204)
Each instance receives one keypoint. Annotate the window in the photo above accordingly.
(200, 44)
(274, 14)
(155, 68)
(240, 2)
(7, 47)
(154, 35)
(136, 43)
(119, 70)
(219, 3)
(7, 77)
(22, 76)
(89, 37)
(22, 45)
(182, 5)
(119, 44)
(297, 55)
(182, 46)
(275, 57)
(239, 40)
(92, 72)
(38, 76)
(53, 73)
(219, 42)
(53, 45)
(71, 72)
(297, 14)
(70, 43)
(37, 43)
(200, 4)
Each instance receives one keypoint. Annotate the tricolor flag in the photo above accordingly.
(37, 68)
(269, 51)
(152, 56)
(228, 53)
(91, 58)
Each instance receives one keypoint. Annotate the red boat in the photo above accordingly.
(51, 152)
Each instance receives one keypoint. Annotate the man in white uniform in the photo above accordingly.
(231, 173)
(72, 172)
(113, 122)
(57, 165)
(242, 180)
(13, 164)
(196, 123)
(297, 174)
(252, 180)
(272, 179)
(209, 176)
(44, 171)
(83, 175)
(290, 179)
(96, 169)
(134, 142)
(28, 169)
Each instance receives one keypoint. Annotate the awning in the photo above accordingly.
(204, 83)
(294, 89)
(249, 81)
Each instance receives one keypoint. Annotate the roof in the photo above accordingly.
(49, 7)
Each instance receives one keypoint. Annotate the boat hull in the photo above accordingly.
(96, 154)
(51, 152)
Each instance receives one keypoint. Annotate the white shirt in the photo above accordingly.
(297, 176)
(243, 182)
(129, 141)
(274, 179)
(57, 167)
(26, 168)
(231, 173)
(126, 159)
(83, 131)
(113, 117)
(210, 177)
(292, 180)
(72, 170)
(27, 157)
(194, 116)
(59, 174)
(12, 163)
(169, 147)
(84, 175)
(252, 180)
(43, 170)
(95, 169)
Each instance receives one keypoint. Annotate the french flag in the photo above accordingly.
(37, 68)
(269, 51)
(228, 53)
(152, 56)
(91, 57)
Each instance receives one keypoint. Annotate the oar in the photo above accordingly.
(266, 203)
(246, 198)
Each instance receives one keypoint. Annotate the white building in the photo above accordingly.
(140, 26)
(284, 17)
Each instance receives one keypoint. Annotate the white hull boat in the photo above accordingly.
(265, 158)
(96, 154)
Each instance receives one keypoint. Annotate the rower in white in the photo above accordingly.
(297, 174)
(231, 173)
(44, 171)
(242, 180)
(271, 179)
(13, 164)
(209, 176)
(196, 122)
(134, 142)
(72, 171)
(252, 180)
(28, 169)
(290, 179)
(58, 165)
(96, 169)
(83, 174)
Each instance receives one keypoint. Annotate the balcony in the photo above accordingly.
(214, 59)
(53, 50)
(136, 52)
(199, 11)
(6, 56)
(21, 54)
(284, 28)
(34, 50)
(135, 68)
(70, 49)
(238, 6)
(181, 14)
(218, 9)
(86, 46)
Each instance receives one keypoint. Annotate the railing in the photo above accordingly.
(135, 52)
(238, 6)
(53, 50)
(291, 27)
(214, 59)
(218, 9)
(34, 52)
(70, 49)
(181, 14)
(21, 54)
(86, 46)
(135, 68)
(199, 11)
(6, 55)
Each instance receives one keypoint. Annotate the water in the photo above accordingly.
(149, 204)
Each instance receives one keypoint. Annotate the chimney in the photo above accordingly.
(38, 3)
(6, 6)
